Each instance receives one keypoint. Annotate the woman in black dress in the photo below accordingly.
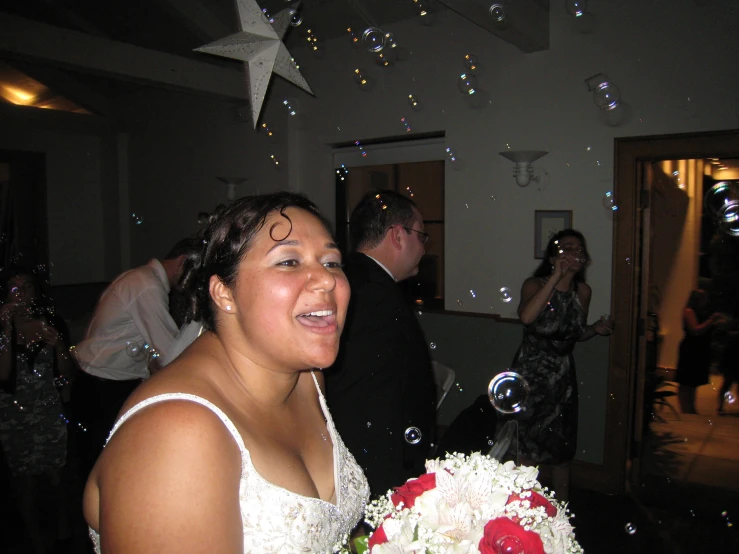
(554, 310)
(694, 358)
(34, 362)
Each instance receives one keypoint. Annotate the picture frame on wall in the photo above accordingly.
(548, 223)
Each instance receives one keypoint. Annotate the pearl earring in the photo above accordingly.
(228, 308)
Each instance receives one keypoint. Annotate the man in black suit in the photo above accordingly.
(381, 390)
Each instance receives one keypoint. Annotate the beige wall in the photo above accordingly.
(677, 205)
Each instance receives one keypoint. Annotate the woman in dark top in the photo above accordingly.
(554, 310)
(694, 357)
(34, 361)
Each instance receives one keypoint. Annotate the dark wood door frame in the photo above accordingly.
(623, 414)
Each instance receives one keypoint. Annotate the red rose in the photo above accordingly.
(503, 536)
(412, 489)
(536, 501)
(377, 537)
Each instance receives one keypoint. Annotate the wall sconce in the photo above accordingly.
(523, 171)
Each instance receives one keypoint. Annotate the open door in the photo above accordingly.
(637, 178)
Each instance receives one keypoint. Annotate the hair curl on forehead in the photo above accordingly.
(225, 240)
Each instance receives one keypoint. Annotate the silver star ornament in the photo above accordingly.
(259, 44)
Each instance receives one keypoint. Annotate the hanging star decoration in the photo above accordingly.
(259, 45)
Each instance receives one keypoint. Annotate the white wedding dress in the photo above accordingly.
(275, 519)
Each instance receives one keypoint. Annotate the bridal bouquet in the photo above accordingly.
(471, 504)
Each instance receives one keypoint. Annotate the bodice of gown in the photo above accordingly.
(557, 328)
(275, 519)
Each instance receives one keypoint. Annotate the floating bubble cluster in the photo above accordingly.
(508, 392)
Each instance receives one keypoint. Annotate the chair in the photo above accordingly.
(444, 379)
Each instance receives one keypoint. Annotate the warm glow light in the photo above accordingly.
(21, 96)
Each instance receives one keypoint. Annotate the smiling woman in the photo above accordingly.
(235, 433)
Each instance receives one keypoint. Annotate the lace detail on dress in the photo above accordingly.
(278, 520)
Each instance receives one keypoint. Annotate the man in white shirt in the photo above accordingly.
(131, 320)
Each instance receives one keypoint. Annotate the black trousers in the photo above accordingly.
(95, 405)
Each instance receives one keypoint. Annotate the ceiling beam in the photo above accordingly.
(29, 40)
(198, 18)
(61, 82)
(526, 25)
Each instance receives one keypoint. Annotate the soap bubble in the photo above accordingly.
(630, 528)
(390, 41)
(413, 435)
(421, 7)
(132, 349)
(384, 60)
(373, 39)
(467, 83)
(414, 103)
(719, 195)
(606, 96)
(432, 346)
(151, 355)
(266, 17)
(509, 544)
(137, 219)
(497, 12)
(508, 392)
(470, 62)
(354, 38)
(364, 82)
(609, 201)
(296, 18)
(576, 8)
(729, 397)
(505, 295)
(728, 219)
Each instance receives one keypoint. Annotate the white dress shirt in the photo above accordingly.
(134, 310)
(382, 266)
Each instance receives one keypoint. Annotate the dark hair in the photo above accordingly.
(376, 213)
(226, 240)
(693, 301)
(42, 304)
(545, 268)
(183, 247)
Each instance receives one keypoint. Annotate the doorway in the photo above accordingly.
(658, 238)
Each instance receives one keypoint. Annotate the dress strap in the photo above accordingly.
(191, 398)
